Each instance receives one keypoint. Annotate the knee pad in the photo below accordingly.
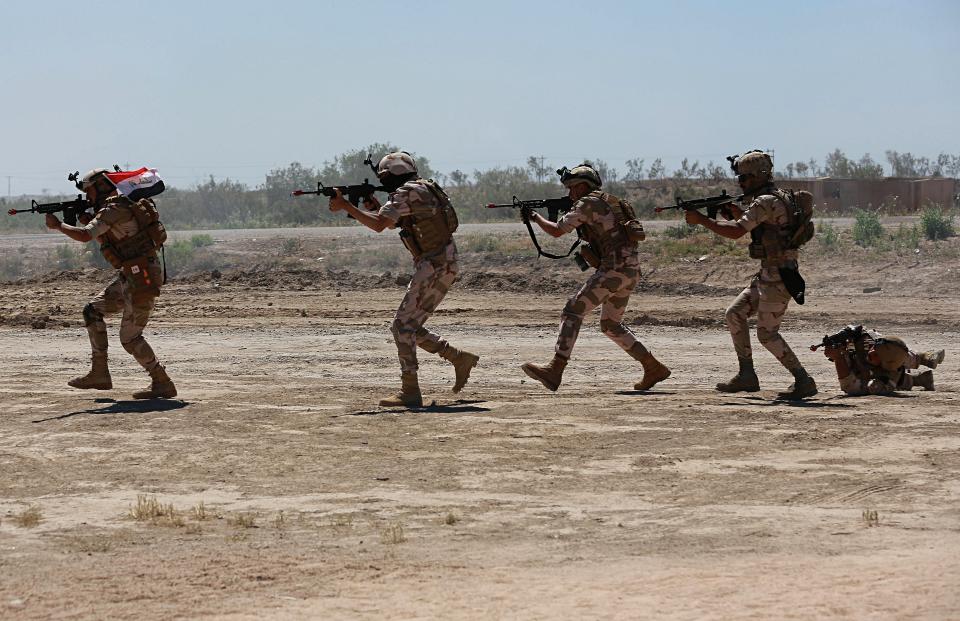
(574, 308)
(90, 315)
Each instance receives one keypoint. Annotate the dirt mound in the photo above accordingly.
(36, 321)
(693, 321)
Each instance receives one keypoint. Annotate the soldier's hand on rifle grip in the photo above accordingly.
(832, 352)
(52, 222)
(525, 214)
(338, 202)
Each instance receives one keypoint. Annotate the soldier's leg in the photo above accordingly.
(593, 293)
(930, 359)
(136, 314)
(736, 315)
(462, 361)
(773, 302)
(107, 302)
(611, 324)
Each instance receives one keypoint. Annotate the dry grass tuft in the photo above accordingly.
(243, 520)
(149, 509)
(450, 519)
(199, 511)
(29, 517)
(392, 534)
(871, 517)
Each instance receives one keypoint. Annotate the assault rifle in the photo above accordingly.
(70, 209)
(353, 193)
(713, 204)
(850, 334)
(554, 206)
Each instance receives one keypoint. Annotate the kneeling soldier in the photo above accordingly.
(868, 363)
(129, 234)
(611, 230)
(427, 221)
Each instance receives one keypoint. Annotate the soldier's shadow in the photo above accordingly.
(461, 406)
(112, 406)
(644, 392)
(793, 403)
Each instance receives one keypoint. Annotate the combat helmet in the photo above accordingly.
(891, 352)
(395, 169)
(93, 178)
(582, 173)
(756, 163)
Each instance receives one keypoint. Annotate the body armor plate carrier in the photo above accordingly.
(429, 229)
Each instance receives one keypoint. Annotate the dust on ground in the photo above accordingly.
(283, 491)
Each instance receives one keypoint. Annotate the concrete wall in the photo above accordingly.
(833, 195)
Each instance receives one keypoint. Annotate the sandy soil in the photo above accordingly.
(504, 501)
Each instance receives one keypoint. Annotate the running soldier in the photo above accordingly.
(427, 221)
(869, 363)
(129, 234)
(768, 220)
(611, 230)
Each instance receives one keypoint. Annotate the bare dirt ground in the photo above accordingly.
(294, 496)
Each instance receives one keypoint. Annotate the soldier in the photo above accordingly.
(609, 226)
(767, 219)
(427, 221)
(868, 363)
(129, 234)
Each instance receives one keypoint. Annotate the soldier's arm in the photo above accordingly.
(553, 229)
(369, 219)
(80, 234)
(730, 230)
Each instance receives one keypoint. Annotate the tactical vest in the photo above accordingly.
(136, 255)
(607, 245)
(429, 228)
(771, 242)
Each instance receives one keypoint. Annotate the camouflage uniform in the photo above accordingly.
(136, 302)
(767, 296)
(866, 378)
(610, 286)
(434, 273)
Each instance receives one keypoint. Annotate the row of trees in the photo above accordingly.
(226, 203)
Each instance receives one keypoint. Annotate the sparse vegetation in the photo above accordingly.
(936, 223)
(243, 520)
(29, 517)
(827, 235)
(450, 519)
(149, 509)
(871, 517)
(867, 230)
(392, 534)
(199, 511)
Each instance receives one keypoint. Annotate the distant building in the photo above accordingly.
(833, 195)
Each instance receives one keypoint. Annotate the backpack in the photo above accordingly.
(799, 205)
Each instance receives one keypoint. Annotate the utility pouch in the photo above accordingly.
(794, 283)
(586, 258)
(635, 232)
(141, 283)
(410, 242)
(111, 255)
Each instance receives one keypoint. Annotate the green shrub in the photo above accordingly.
(199, 241)
(906, 237)
(936, 223)
(867, 230)
(827, 234)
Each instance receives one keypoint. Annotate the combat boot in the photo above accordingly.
(653, 371)
(801, 388)
(744, 381)
(463, 362)
(924, 380)
(931, 358)
(409, 395)
(98, 378)
(161, 386)
(549, 375)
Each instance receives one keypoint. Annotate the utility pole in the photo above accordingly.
(8, 186)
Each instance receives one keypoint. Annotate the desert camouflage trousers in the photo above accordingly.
(767, 298)
(610, 288)
(429, 285)
(116, 298)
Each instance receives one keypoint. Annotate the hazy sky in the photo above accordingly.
(235, 89)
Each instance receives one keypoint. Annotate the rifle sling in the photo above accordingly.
(541, 252)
